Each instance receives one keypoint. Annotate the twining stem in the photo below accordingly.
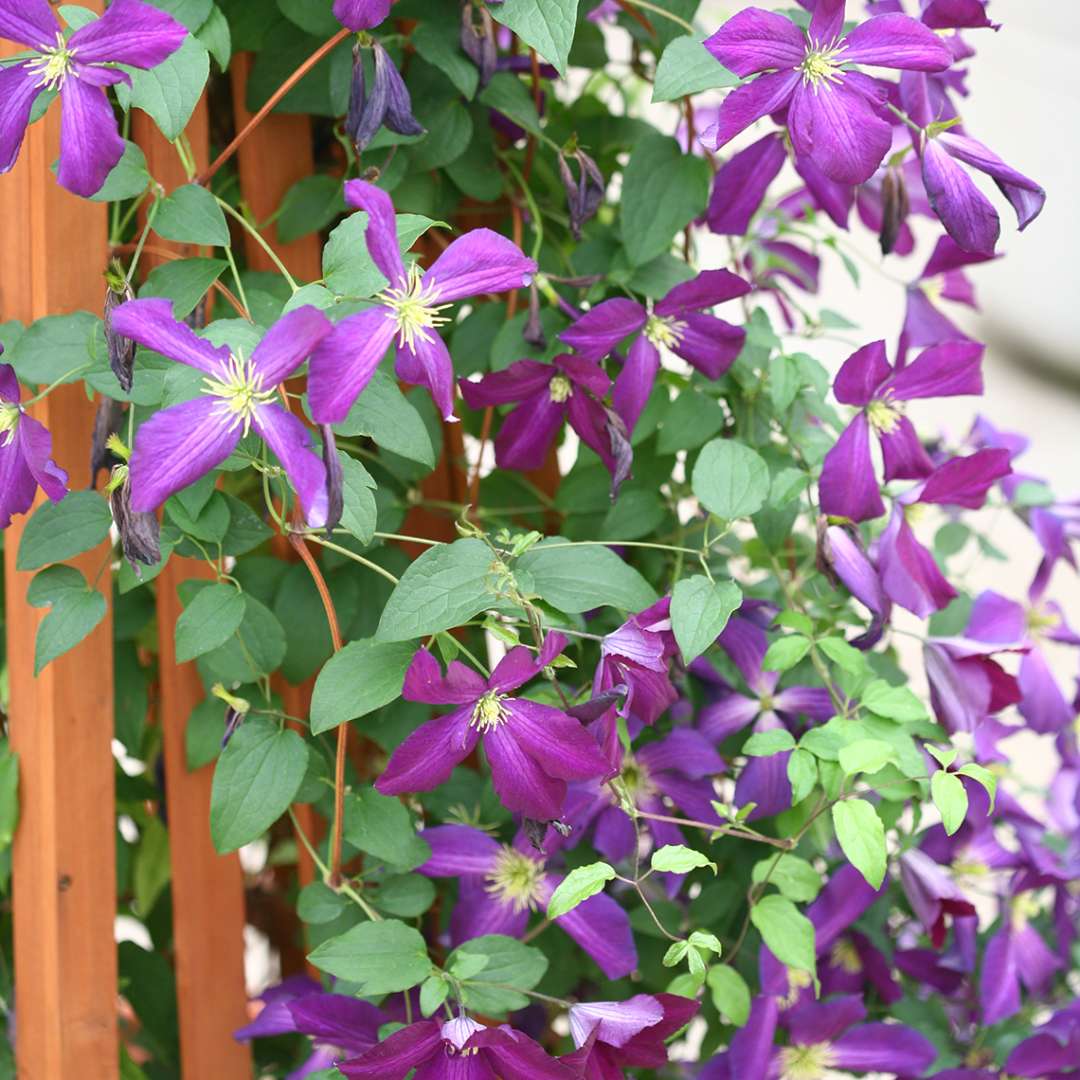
(327, 47)
(56, 382)
(236, 278)
(151, 214)
(342, 887)
(258, 238)
(784, 843)
(334, 876)
(349, 555)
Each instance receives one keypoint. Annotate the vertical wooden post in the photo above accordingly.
(207, 888)
(61, 722)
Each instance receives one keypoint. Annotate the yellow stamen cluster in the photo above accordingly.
(9, 421)
(560, 389)
(488, 712)
(241, 391)
(798, 980)
(1039, 619)
(53, 66)
(413, 307)
(820, 65)
(806, 1062)
(516, 879)
(846, 957)
(884, 415)
(635, 778)
(665, 331)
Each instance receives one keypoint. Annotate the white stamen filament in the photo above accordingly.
(241, 391)
(413, 307)
(54, 65)
(820, 65)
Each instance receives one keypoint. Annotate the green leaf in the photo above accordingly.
(216, 35)
(663, 191)
(893, 702)
(691, 421)
(61, 530)
(546, 25)
(844, 656)
(444, 588)
(9, 794)
(203, 732)
(257, 648)
(687, 67)
(508, 963)
(382, 826)
(363, 677)
(318, 904)
(74, 610)
(51, 347)
(862, 838)
(445, 54)
(943, 757)
(129, 177)
(981, 776)
(184, 281)
(787, 932)
(309, 205)
(677, 859)
(802, 773)
(730, 480)
(581, 883)
(348, 268)
(794, 877)
(379, 957)
(784, 653)
(191, 215)
(359, 512)
(576, 579)
(211, 618)
(433, 993)
(700, 610)
(191, 13)
(169, 92)
(314, 17)
(405, 895)
(865, 755)
(950, 798)
(384, 414)
(151, 870)
(730, 994)
(255, 780)
(507, 94)
(767, 743)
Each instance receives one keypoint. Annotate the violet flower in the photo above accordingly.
(387, 105)
(677, 322)
(456, 1050)
(1015, 954)
(833, 111)
(966, 685)
(842, 558)
(932, 893)
(409, 308)
(1052, 1050)
(361, 14)
(80, 67)
(740, 185)
(25, 449)
(501, 885)
(533, 749)
(848, 487)
(179, 444)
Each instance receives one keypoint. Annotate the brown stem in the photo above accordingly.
(275, 97)
(638, 17)
(301, 548)
(165, 253)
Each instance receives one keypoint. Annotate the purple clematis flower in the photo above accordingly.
(967, 686)
(677, 322)
(179, 444)
(459, 1049)
(932, 893)
(533, 749)
(1015, 954)
(25, 449)
(501, 885)
(848, 487)
(842, 558)
(409, 309)
(741, 183)
(612, 1036)
(833, 112)
(80, 68)
(1053, 1050)
(361, 14)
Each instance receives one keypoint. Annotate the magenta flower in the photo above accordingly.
(179, 444)
(25, 449)
(409, 309)
(459, 1049)
(741, 183)
(500, 885)
(533, 749)
(848, 487)
(569, 388)
(80, 68)
(833, 112)
(842, 558)
(361, 14)
(677, 322)
(1015, 954)
(966, 684)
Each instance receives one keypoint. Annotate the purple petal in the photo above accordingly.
(615, 1022)
(999, 987)
(848, 487)
(394, 1057)
(130, 32)
(826, 20)
(950, 370)
(709, 288)
(177, 446)
(909, 573)
(835, 199)
(344, 362)
(520, 664)
(275, 1017)
(288, 343)
(764, 781)
(35, 445)
(602, 929)
(1035, 961)
(479, 912)
(17, 484)
(903, 453)
(956, 15)
(896, 41)
(615, 837)
(590, 420)
(890, 1048)
(823, 1021)
(849, 562)
(846, 897)
(635, 381)
(740, 186)
(601, 328)
(967, 214)
(381, 234)
(151, 324)
(424, 681)
(745, 104)
(710, 344)
(811, 702)
(1042, 705)
(346, 1022)
(512, 1054)
(964, 481)
(684, 751)
(751, 1048)
(746, 644)
(516, 383)
(757, 40)
(519, 780)
(996, 619)
(90, 144)
(28, 22)
(291, 443)
(428, 756)
(427, 363)
(728, 715)
(527, 432)
(481, 261)
(18, 91)
(457, 850)
(859, 379)
(561, 746)
(361, 14)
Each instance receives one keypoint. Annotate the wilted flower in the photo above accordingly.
(583, 195)
(107, 420)
(139, 530)
(387, 105)
(121, 349)
(335, 478)
(478, 42)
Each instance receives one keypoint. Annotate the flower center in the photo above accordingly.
(665, 331)
(488, 712)
(1024, 908)
(846, 957)
(635, 778)
(820, 64)
(806, 1062)
(1039, 619)
(516, 879)
(9, 421)
(54, 65)
(240, 390)
(798, 980)
(413, 307)
(560, 389)
(884, 416)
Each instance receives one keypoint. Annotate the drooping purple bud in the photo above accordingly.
(121, 349)
(399, 115)
(533, 333)
(595, 707)
(583, 195)
(894, 208)
(478, 41)
(388, 103)
(621, 451)
(844, 562)
(107, 421)
(358, 118)
(335, 498)
(139, 532)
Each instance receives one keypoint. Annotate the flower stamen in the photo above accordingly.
(806, 1062)
(488, 712)
(54, 65)
(665, 331)
(560, 389)
(820, 64)
(413, 307)
(516, 879)
(884, 415)
(9, 422)
(241, 391)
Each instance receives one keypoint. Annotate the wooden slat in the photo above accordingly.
(207, 888)
(61, 722)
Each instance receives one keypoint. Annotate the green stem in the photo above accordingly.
(534, 210)
(55, 383)
(342, 887)
(352, 555)
(151, 214)
(258, 238)
(236, 277)
(657, 10)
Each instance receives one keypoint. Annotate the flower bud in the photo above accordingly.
(335, 498)
(533, 333)
(139, 532)
(478, 42)
(583, 195)
(894, 208)
(622, 453)
(388, 103)
(236, 708)
(121, 349)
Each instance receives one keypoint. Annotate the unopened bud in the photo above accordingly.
(583, 195)
(622, 453)
(533, 332)
(894, 208)
(478, 40)
(335, 497)
(121, 349)
(236, 708)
